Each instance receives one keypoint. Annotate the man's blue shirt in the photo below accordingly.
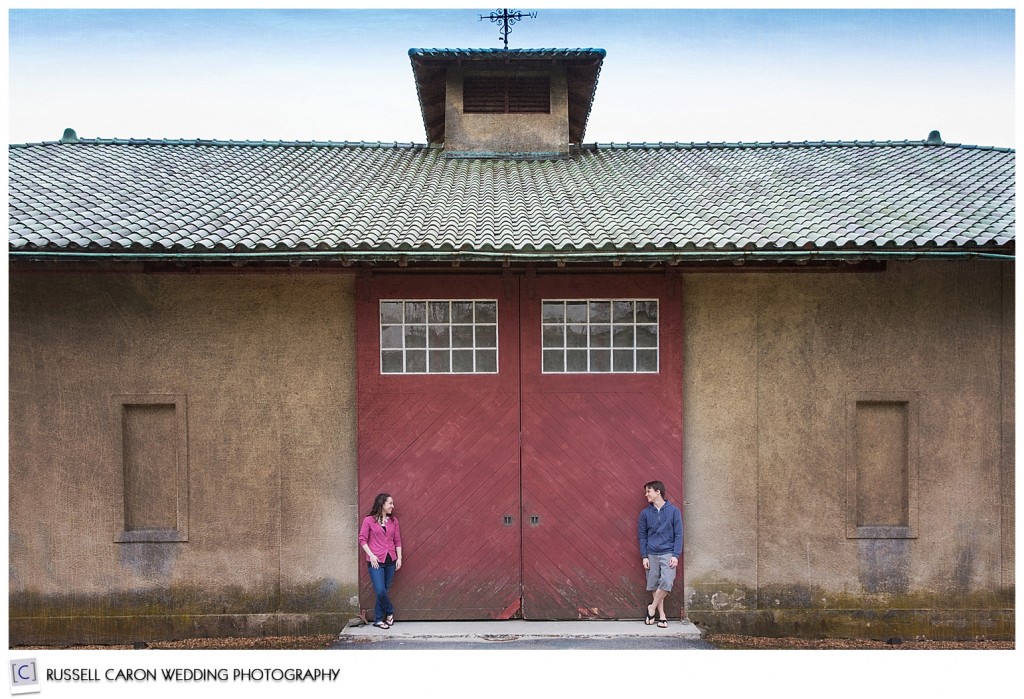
(660, 531)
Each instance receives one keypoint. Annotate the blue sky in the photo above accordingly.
(670, 75)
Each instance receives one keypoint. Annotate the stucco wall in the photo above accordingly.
(266, 365)
(507, 133)
(771, 365)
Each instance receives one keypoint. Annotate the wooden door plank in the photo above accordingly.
(447, 447)
(590, 442)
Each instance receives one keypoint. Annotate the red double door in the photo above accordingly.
(518, 491)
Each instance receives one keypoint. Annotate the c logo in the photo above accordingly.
(23, 674)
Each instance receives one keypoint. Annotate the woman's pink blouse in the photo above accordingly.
(381, 542)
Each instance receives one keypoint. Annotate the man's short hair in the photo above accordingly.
(656, 485)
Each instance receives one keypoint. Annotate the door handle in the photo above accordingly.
(534, 520)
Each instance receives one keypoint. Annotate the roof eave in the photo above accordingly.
(1003, 253)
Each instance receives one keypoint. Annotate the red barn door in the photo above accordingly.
(446, 446)
(519, 489)
(591, 440)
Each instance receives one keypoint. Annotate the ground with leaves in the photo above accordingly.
(722, 641)
(732, 642)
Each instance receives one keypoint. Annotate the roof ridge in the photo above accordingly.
(781, 144)
(411, 145)
(227, 142)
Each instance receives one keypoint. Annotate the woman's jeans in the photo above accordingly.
(381, 578)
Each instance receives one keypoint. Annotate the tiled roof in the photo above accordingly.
(113, 195)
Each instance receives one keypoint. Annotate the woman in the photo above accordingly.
(381, 540)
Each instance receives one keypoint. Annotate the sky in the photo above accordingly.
(669, 75)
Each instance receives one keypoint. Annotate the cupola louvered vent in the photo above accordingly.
(491, 94)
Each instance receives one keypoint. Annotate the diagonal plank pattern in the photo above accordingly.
(471, 459)
(452, 463)
(589, 443)
(447, 447)
(585, 460)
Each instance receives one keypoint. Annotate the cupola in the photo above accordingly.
(506, 103)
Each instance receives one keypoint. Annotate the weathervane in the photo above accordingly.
(507, 18)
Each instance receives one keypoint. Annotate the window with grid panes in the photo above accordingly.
(590, 336)
(439, 336)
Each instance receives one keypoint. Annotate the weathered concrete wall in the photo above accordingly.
(507, 133)
(266, 365)
(1008, 470)
(773, 363)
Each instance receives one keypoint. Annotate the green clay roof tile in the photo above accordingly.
(118, 195)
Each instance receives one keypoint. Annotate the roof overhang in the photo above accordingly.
(429, 67)
(614, 258)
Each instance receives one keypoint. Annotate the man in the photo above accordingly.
(660, 530)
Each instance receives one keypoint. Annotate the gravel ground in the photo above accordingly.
(317, 642)
(722, 641)
(730, 642)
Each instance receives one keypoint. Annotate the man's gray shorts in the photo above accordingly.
(660, 576)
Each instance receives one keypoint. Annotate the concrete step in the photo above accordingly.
(519, 628)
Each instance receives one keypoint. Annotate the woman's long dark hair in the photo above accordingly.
(377, 511)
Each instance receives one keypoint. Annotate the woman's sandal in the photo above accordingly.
(662, 623)
(381, 625)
